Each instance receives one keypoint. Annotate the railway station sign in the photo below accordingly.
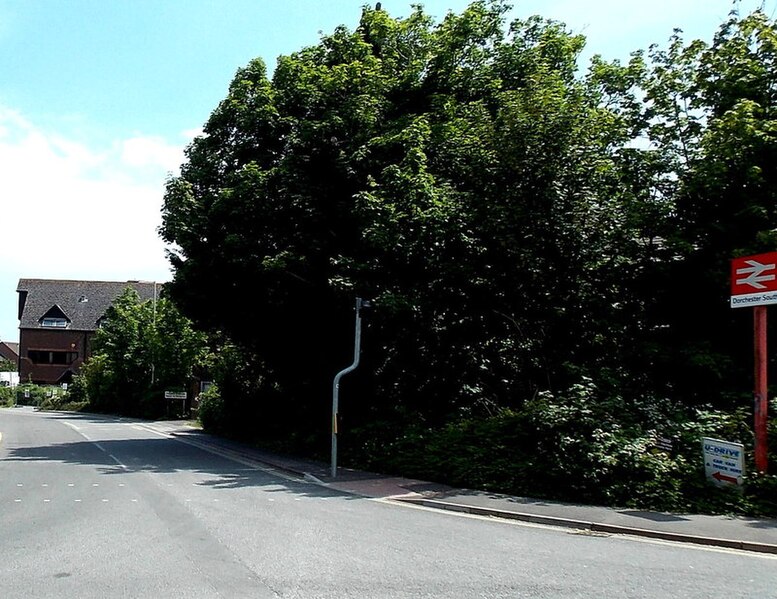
(754, 280)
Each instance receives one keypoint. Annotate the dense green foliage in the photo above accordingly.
(7, 396)
(28, 394)
(547, 250)
(44, 397)
(141, 350)
(7, 366)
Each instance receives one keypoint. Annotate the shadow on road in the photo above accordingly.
(231, 466)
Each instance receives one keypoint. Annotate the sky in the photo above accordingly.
(99, 98)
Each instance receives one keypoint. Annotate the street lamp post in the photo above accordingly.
(360, 303)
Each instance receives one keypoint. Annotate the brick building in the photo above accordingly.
(57, 320)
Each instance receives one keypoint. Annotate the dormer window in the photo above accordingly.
(54, 322)
(54, 318)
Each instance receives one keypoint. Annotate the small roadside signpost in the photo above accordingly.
(177, 395)
(754, 284)
(724, 462)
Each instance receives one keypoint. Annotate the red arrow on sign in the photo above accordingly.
(722, 477)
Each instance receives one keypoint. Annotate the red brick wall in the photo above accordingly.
(50, 340)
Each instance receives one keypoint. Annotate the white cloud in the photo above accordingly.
(152, 152)
(190, 134)
(68, 210)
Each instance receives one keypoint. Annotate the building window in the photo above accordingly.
(52, 357)
(54, 322)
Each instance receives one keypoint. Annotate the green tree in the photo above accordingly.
(712, 112)
(525, 230)
(461, 174)
(141, 349)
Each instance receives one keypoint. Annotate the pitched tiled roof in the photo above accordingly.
(9, 351)
(82, 302)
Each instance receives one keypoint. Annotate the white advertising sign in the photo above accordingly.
(724, 462)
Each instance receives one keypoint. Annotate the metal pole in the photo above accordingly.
(153, 327)
(336, 383)
(760, 388)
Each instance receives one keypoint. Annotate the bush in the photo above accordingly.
(7, 395)
(77, 390)
(35, 394)
(211, 412)
(50, 403)
(761, 494)
(577, 446)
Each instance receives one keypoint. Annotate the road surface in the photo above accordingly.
(94, 506)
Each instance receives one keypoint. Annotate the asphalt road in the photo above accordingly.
(93, 506)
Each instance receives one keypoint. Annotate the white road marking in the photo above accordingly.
(115, 459)
(70, 485)
(17, 500)
(77, 500)
(19, 484)
(100, 447)
(254, 465)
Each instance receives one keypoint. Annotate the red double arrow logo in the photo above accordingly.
(752, 274)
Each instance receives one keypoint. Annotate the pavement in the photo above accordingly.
(748, 534)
